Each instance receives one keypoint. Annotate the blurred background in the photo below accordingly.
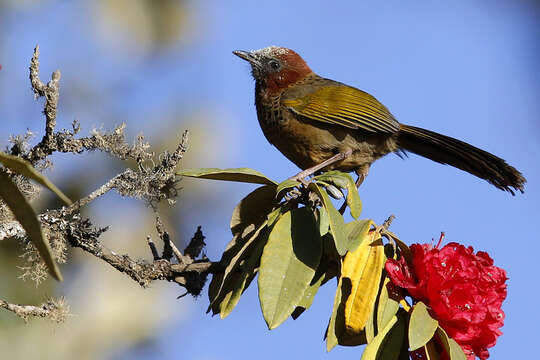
(468, 69)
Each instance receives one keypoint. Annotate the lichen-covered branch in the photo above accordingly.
(64, 141)
(153, 180)
(82, 234)
(55, 310)
(10, 229)
(51, 92)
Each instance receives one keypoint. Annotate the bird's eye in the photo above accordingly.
(274, 65)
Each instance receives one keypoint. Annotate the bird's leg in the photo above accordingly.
(360, 180)
(310, 171)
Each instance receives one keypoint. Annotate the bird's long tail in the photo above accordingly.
(446, 150)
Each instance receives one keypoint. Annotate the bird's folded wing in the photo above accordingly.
(346, 106)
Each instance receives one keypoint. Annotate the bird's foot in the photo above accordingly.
(293, 194)
(301, 178)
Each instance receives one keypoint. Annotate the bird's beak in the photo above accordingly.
(250, 57)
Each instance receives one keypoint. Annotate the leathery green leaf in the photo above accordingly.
(353, 198)
(288, 264)
(237, 250)
(213, 291)
(285, 186)
(309, 294)
(451, 347)
(395, 342)
(431, 351)
(357, 232)
(421, 327)
(241, 279)
(370, 352)
(387, 305)
(23, 167)
(344, 181)
(337, 224)
(237, 174)
(248, 219)
(323, 220)
(274, 216)
(26, 216)
(388, 344)
(336, 324)
(253, 208)
(326, 271)
(335, 177)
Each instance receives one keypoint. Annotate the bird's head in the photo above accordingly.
(275, 68)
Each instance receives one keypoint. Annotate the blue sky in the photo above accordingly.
(468, 69)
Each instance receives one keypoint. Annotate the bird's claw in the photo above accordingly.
(293, 194)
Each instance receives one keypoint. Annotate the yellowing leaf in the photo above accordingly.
(357, 231)
(362, 268)
(23, 167)
(26, 216)
(238, 174)
(421, 326)
(288, 264)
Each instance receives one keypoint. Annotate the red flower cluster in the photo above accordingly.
(464, 290)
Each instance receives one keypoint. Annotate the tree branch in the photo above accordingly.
(54, 309)
(149, 183)
(51, 92)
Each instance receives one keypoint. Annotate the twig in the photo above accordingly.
(386, 224)
(153, 248)
(24, 311)
(56, 310)
(383, 229)
(108, 186)
(169, 248)
(343, 207)
(51, 92)
(85, 236)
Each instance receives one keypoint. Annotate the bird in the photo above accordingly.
(320, 124)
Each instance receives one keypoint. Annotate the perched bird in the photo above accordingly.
(319, 123)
